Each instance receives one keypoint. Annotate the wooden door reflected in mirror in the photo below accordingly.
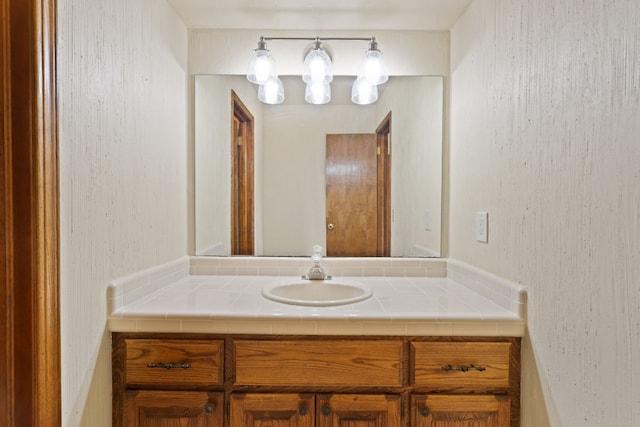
(242, 179)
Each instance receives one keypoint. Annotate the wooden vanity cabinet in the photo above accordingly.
(164, 380)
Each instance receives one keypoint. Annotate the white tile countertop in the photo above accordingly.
(399, 306)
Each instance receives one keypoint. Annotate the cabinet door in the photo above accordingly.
(154, 408)
(272, 410)
(460, 411)
(358, 410)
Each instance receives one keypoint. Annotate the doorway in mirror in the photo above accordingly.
(242, 178)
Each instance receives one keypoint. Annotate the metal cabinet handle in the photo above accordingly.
(303, 410)
(209, 408)
(330, 226)
(183, 365)
(424, 411)
(326, 410)
(463, 368)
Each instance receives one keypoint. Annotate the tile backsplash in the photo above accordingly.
(126, 289)
(339, 267)
(506, 294)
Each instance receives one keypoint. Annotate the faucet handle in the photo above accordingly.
(316, 256)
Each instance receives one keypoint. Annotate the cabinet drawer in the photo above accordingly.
(174, 362)
(468, 365)
(318, 363)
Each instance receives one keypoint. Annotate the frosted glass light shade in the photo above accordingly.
(271, 92)
(317, 67)
(373, 68)
(261, 67)
(317, 93)
(363, 93)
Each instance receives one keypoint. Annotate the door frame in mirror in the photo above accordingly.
(242, 178)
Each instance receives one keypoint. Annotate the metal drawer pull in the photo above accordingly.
(183, 365)
(464, 368)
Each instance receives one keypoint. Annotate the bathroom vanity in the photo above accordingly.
(210, 350)
(260, 380)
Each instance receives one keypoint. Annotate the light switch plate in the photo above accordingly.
(482, 227)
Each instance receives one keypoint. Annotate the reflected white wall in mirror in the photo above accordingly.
(290, 161)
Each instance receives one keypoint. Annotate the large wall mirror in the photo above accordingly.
(289, 163)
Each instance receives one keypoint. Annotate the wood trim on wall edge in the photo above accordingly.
(30, 326)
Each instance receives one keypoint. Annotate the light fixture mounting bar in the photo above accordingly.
(369, 39)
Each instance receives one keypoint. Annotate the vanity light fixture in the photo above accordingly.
(262, 66)
(317, 72)
(317, 92)
(317, 65)
(363, 92)
(373, 67)
(271, 91)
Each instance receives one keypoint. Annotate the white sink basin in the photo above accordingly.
(320, 293)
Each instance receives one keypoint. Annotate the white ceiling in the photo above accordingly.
(321, 14)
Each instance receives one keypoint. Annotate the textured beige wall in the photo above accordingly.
(545, 136)
(123, 173)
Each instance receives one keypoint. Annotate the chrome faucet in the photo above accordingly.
(316, 272)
